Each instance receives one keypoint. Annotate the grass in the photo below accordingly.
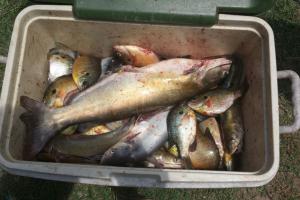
(8, 11)
(285, 21)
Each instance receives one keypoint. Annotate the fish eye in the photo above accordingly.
(63, 56)
(205, 97)
(181, 112)
(84, 83)
(53, 91)
(87, 73)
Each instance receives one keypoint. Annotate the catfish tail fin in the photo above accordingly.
(38, 128)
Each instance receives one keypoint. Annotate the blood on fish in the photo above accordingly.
(193, 68)
(146, 51)
(208, 102)
(130, 137)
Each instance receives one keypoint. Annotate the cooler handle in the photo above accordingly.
(295, 86)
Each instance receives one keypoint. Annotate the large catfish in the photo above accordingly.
(121, 95)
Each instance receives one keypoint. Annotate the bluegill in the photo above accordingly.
(182, 128)
(232, 128)
(204, 153)
(60, 92)
(61, 59)
(212, 125)
(86, 71)
(214, 102)
(135, 55)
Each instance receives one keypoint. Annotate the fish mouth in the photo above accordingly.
(223, 62)
(122, 53)
(70, 96)
(193, 105)
(83, 83)
(215, 71)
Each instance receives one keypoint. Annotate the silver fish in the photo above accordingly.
(148, 135)
(87, 145)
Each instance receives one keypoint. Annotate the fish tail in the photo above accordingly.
(38, 128)
(228, 161)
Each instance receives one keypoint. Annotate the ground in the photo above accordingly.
(285, 21)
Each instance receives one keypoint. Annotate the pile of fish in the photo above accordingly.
(136, 109)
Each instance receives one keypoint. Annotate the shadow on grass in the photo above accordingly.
(19, 188)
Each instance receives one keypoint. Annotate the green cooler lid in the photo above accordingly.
(184, 12)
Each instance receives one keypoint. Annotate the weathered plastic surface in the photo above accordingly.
(36, 30)
(187, 12)
(295, 86)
